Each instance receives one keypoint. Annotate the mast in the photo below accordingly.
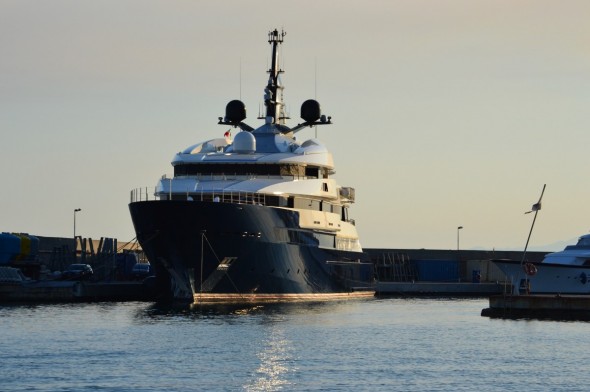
(235, 111)
(273, 93)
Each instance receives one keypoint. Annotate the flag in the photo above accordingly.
(537, 205)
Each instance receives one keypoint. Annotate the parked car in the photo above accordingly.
(141, 270)
(77, 272)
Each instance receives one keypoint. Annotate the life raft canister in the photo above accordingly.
(529, 268)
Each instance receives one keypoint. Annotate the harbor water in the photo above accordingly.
(388, 344)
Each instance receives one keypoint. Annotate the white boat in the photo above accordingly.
(564, 272)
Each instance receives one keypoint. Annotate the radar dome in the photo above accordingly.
(235, 111)
(244, 143)
(310, 110)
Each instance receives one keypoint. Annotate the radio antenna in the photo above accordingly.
(240, 78)
(316, 89)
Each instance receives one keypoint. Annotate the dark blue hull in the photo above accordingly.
(242, 249)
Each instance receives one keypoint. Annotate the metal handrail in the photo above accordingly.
(221, 196)
(142, 194)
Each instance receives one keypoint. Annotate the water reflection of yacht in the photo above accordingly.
(256, 218)
(564, 272)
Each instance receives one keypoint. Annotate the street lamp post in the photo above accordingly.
(76, 210)
(459, 254)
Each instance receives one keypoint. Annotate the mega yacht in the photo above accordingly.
(256, 216)
(564, 272)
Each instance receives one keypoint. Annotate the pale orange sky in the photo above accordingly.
(446, 113)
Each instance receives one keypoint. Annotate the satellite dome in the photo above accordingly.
(310, 110)
(235, 111)
(244, 143)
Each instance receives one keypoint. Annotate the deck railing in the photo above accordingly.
(143, 194)
(216, 196)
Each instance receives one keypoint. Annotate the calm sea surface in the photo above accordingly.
(368, 345)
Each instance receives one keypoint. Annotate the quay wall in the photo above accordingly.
(391, 264)
(439, 265)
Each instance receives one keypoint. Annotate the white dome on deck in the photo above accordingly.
(244, 143)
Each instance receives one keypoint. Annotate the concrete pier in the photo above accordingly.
(72, 291)
(556, 307)
(440, 288)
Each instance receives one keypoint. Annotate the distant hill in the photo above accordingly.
(553, 247)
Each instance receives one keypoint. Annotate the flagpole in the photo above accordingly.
(536, 208)
(527, 240)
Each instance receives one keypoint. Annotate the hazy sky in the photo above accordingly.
(446, 113)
